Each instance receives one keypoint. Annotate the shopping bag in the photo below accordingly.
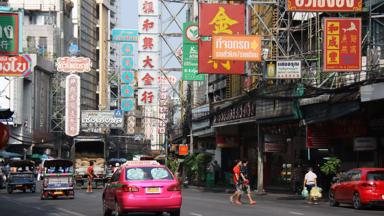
(316, 192)
(304, 193)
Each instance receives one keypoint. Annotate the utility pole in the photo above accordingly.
(260, 162)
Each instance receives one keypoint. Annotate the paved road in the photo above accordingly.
(195, 203)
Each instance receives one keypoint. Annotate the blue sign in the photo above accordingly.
(125, 35)
(127, 62)
(127, 104)
(127, 49)
(127, 91)
(127, 77)
(118, 113)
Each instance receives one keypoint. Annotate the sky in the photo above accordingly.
(128, 16)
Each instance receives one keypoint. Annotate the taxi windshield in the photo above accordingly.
(148, 173)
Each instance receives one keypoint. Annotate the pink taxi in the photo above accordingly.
(142, 186)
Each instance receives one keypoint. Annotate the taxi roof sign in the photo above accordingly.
(142, 163)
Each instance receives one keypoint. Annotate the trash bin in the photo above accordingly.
(210, 179)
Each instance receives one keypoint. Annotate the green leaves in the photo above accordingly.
(331, 166)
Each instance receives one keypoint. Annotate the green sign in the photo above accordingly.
(190, 33)
(9, 33)
(190, 52)
(190, 63)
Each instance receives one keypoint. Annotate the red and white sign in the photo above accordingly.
(72, 105)
(149, 43)
(149, 8)
(325, 5)
(148, 79)
(15, 65)
(149, 25)
(73, 64)
(147, 97)
(149, 61)
(342, 44)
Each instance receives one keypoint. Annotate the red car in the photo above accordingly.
(360, 187)
(142, 186)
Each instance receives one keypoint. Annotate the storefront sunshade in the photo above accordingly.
(323, 112)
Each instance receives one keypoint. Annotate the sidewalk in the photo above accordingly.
(275, 193)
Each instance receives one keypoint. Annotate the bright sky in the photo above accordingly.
(128, 16)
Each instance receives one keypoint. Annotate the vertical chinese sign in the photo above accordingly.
(165, 89)
(149, 65)
(10, 34)
(72, 105)
(342, 44)
(190, 52)
(219, 19)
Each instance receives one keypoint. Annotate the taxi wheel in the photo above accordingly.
(357, 202)
(9, 190)
(175, 212)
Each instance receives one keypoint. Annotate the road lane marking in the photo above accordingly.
(71, 212)
(195, 214)
(296, 213)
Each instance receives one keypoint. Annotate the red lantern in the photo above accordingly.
(4, 135)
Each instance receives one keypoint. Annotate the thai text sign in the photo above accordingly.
(288, 69)
(342, 44)
(15, 65)
(239, 48)
(9, 33)
(125, 35)
(73, 64)
(325, 5)
(72, 105)
(103, 119)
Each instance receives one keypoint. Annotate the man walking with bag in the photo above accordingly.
(310, 181)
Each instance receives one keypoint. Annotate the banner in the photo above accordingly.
(149, 25)
(190, 63)
(239, 48)
(149, 42)
(342, 44)
(73, 64)
(9, 33)
(148, 97)
(149, 61)
(325, 5)
(148, 8)
(96, 119)
(148, 79)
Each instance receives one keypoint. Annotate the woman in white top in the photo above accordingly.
(310, 181)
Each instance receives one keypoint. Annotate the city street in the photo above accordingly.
(195, 203)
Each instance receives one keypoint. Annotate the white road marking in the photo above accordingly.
(71, 212)
(195, 214)
(296, 213)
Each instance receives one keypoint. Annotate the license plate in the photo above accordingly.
(152, 190)
(58, 193)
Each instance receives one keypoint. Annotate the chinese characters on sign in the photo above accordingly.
(148, 79)
(72, 105)
(147, 97)
(342, 44)
(9, 33)
(325, 5)
(219, 19)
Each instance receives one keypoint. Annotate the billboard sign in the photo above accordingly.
(127, 49)
(149, 25)
(73, 64)
(102, 119)
(9, 33)
(190, 33)
(147, 79)
(125, 35)
(127, 91)
(15, 65)
(148, 97)
(127, 77)
(236, 47)
(288, 69)
(149, 61)
(149, 42)
(342, 44)
(325, 5)
(72, 105)
(149, 8)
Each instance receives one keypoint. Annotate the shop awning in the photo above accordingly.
(323, 112)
